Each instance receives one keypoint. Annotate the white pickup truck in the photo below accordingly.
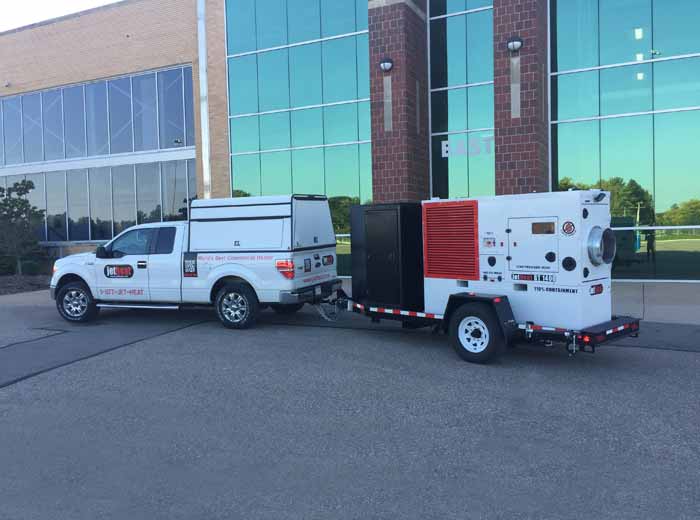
(237, 254)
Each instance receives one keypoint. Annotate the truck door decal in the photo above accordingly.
(189, 265)
(119, 271)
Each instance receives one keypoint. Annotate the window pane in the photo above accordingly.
(337, 17)
(37, 198)
(340, 123)
(276, 173)
(625, 31)
(12, 120)
(482, 164)
(575, 34)
(677, 84)
(481, 107)
(124, 198)
(627, 169)
(578, 154)
(305, 75)
(442, 113)
(451, 165)
(2, 141)
(246, 175)
(78, 211)
(440, 7)
(365, 173)
(120, 136)
(74, 121)
(342, 183)
(676, 26)
(243, 85)
(362, 14)
(625, 89)
(148, 193)
(448, 51)
(191, 179)
(273, 74)
(576, 95)
(272, 24)
(170, 109)
(661, 254)
(136, 242)
(240, 25)
(174, 185)
(100, 204)
(364, 121)
(304, 20)
(189, 107)
(52, 114)
(274, 131)
(145, 112)
(245, 134)
(166, 241)
(480, 47)
(307, 127)
(31, 127)
(677, 173)
(339, 70)
(307, 171)
(96, 116)
(56, 206)
(362, 66)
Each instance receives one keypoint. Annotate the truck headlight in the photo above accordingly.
(602, 245)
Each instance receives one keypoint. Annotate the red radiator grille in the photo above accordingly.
(451, 240)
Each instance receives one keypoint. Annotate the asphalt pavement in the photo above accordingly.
(169, 415)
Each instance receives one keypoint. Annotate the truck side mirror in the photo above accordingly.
(101, 252)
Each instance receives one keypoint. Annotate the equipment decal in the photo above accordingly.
(534, 277)
(568, 228)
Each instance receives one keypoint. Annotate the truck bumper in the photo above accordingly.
(52, 292)
(310, 294)
(618, 327)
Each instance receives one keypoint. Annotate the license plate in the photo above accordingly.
(317, 290)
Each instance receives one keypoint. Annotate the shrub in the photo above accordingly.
(31, 268)
(7, 265)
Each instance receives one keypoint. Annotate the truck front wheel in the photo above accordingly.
(475, 334)
(237, 305)
(75, 303)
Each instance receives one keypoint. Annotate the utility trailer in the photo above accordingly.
(491, 271)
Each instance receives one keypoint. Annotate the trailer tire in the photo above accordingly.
(75, 303)
(288, 308)
(237, 305)
(475, 333)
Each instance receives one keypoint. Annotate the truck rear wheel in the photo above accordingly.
(237, 305)
(75, 303)
(286, 308)
(475, 333)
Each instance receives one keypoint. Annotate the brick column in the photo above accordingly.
(400, 163)
(522, 156)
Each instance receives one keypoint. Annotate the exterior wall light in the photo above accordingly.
(515, 44)
(386, 64)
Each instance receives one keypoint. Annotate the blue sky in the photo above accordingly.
(25, 12)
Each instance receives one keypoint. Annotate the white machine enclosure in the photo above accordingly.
(533, 248)
(232, 237)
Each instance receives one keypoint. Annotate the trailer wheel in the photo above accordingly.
(475, 333)
(288, 308)
(75, 303)
(237, 305)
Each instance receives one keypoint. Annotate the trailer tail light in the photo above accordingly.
(286, 268)
(596, 289)
(328, 260)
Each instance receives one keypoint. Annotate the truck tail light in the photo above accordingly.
(328, 260)
(596, 289)
(286, 268)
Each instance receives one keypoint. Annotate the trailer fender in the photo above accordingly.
(499, 304)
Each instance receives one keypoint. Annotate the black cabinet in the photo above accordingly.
(387, 255)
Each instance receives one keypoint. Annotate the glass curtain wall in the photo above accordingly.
(299, 115)
(95, 204)
(141, 112)
(462, 99)
(626, 118)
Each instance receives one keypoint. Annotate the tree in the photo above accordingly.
(17, 239)
(684, 214)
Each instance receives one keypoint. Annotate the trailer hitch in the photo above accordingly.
(331, 308)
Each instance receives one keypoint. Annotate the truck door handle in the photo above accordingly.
(141, 264)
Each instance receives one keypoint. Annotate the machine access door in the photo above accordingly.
(533, 244)
(383, 269)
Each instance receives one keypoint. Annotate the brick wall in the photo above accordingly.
(400, 168)
(522, 157)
